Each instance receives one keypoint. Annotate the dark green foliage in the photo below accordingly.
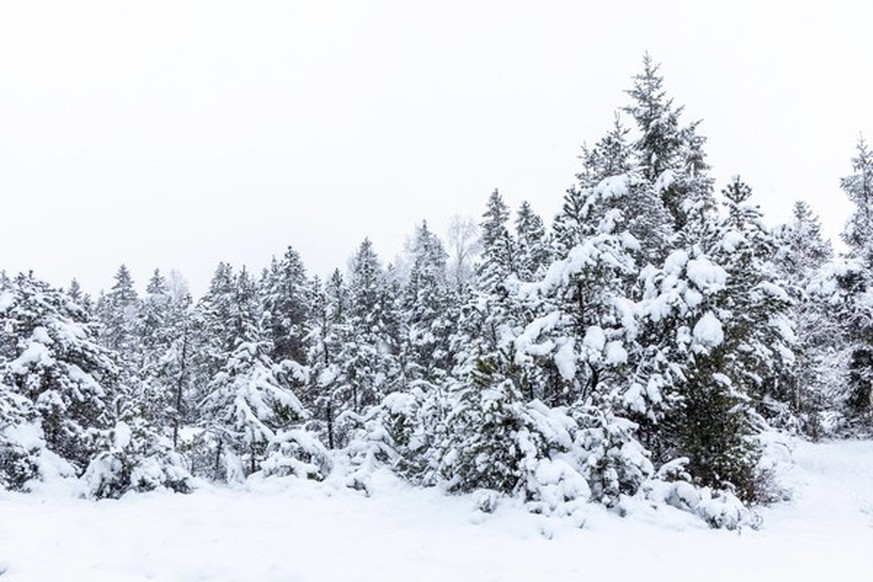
(481, 450)
(715, 427)
(860, 397)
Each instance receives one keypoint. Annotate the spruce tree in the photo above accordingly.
(567, 226)
(760, 331)
(719, 337)
(671, 157)
(372, 363)
(118, 313)
(800, 257)
(658, 121)
(213, 336)
(249, 403)
(499, 248)
(855, 283)
(427, 303)
(22, 442)
(858, 186)
(286, 304)
(328, 392)
(51, 358)
(165, 391)
(533, 251)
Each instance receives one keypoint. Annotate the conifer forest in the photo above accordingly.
(647, 344)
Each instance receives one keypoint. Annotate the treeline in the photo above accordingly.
(639, 345)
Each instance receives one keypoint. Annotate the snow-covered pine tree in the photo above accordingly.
(857, 282)
(249, 405)
(498, 263)
(427, 308)
(355, 347)
(246, 409)
(693, 179)
(611, 156)
(583, 339)
(642, 209)
(799, 258)
(533, 249)
(153, 313)
(484, 400)
(858, 186)
(492, 438)
(153, 399)
(212, 336)
(133, 457)
(285, 290)
(62, 398)
(567, 225)
(671, 157)
(718, 337)
(118, 314)
(79, 297)
(480, 449)
(703, 418)
(23, 449)
(499, 248)
(54, 360)
(802, 250)
(371, 356)
(660, 134)
(165, 391)
(759, 332)
(327, 391)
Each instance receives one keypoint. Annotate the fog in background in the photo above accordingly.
(179, 134)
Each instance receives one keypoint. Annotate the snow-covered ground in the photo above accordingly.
(292, 530)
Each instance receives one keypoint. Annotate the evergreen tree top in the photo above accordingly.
(123, 292)
(157, 284)
(858, 186)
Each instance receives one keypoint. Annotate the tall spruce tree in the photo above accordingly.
(719, 337)
(855, 282)
(799, 258)
(372, 357)
(427, 303)
(249, 403)
(533, 251)
(118, 314)
(166, 326)
(286, 305)
(329, 393)
(670, 156)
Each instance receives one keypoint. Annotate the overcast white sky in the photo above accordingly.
(178, 134)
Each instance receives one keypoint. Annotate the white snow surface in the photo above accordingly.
(708, 331)
(594, 339)
(290, 529)
(565, 360)
(664, 181)
(7, 300)
(33, 356)
(732, 239)
(705, 274)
